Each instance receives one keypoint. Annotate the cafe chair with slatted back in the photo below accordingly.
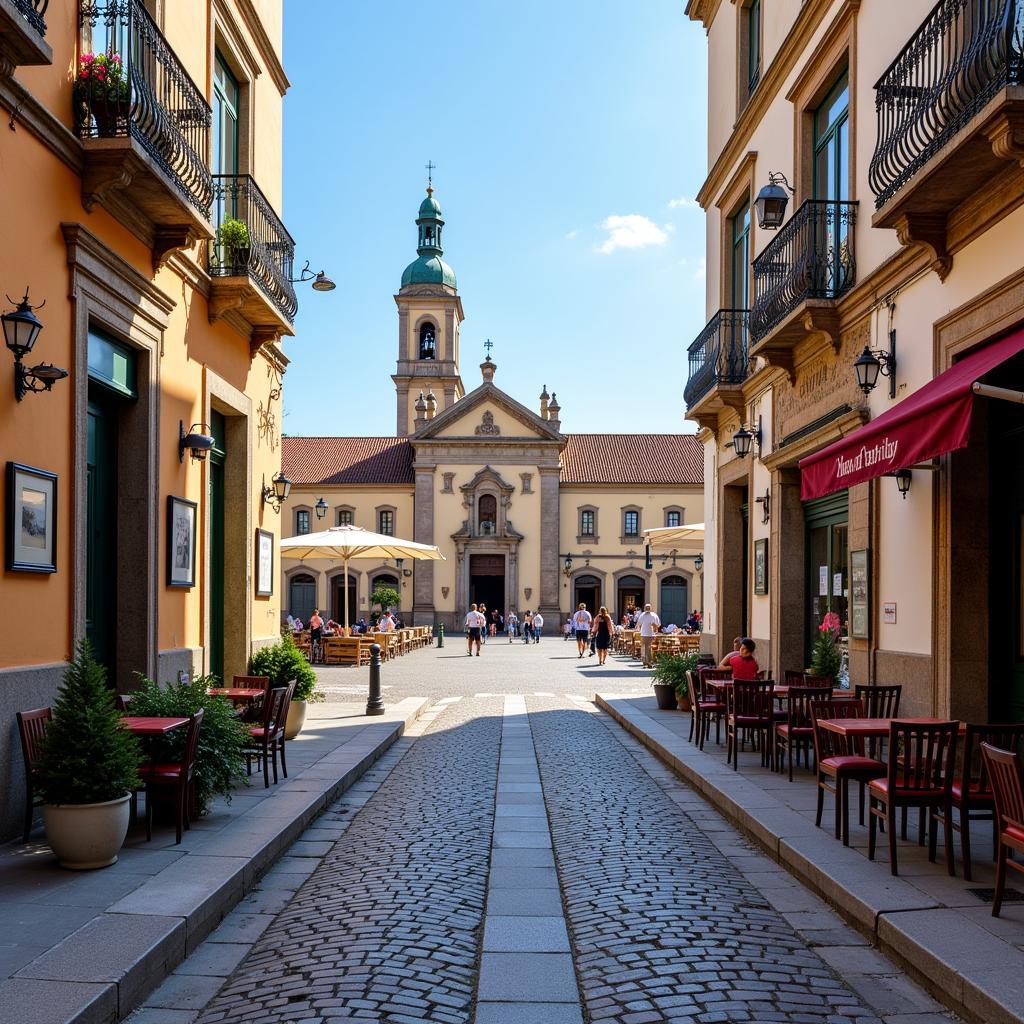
(254, 710)
(32, 726)
(749, 712)
(288, 695)
(263, 738)
(176, 774)
(1006, 774)
(796, 733)
(712, 701)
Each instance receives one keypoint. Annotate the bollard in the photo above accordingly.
(440, 634)
(374, 702)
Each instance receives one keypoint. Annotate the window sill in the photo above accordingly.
(633, 538)
(587, 538)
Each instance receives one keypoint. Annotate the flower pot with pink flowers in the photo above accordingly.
(827, 656)
(102, 97)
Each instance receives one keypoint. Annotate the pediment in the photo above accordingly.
(488, 414)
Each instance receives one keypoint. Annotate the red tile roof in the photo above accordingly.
(629, 459)
(632, 459)
(347, 460)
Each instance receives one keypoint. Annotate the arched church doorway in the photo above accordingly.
(631, 595)
(587, 589)
(338, 600)
(673, 603)
(487, 581)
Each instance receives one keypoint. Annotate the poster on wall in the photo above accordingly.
(859, 594)
(822, 581)
(264, 563)
(181, 542)
(31, 519)
(761, 566)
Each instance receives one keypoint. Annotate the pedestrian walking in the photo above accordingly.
(538, 625)
(527, 626)
(511, 626)
(648, 623)
(603, 629)
(475, 625)
(581, 626)
(483, 611)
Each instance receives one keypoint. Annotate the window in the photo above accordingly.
(487, 511)
(587, 523)
(428, 343)
(673, 519)
(386, 522)
(832, 143)
(225, 118)
(301, 522)
(631, 524)
(753, 45)
(740, 268)
(344, 517)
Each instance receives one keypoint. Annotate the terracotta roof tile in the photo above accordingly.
(347, 460)
(632, 459)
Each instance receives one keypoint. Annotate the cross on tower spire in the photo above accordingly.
(488, 344)
(431, 167)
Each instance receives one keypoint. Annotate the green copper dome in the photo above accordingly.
(430, 207)
(429, 268)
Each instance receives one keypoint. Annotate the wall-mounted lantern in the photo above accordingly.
(21, 328)
(276, 495)
(872, 362)
(195, 442)
(321, 508)
(772, 201)
(744, 438)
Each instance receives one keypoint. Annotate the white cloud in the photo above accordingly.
(632, 231)
(685, 202)
(571, 235)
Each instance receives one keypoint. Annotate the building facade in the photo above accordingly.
(891, 134)
(526, 515)
(139, 185)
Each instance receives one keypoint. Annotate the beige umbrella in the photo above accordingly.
(673, 536)
(348, 542)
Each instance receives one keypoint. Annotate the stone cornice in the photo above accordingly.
(488, 391)
(255, 25)
(790, 455)
(26, 111)
(703, 11)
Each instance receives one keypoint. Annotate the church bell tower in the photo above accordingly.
(430, 314)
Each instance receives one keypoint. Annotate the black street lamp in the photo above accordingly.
(744, 438)
(903, 480)
(321, 508)
(21, 328)
(872, 362)
(772, 201)
(276, 495)
(698, 563)
(567, 566)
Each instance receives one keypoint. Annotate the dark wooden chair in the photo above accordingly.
(712, 702)
(32, 726)
(288, 694)
(920, 776)
(749, 712)
(176, 774)
(841, 760)
(972, 789)
(793, 678)
(1006, 774)
(878, 702)
(250, 682)
(263, 738)
(796, 733)
(122, 702)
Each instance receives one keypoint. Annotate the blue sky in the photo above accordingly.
(569, 138)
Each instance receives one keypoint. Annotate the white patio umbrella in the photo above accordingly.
(673, 536)
(348, 542)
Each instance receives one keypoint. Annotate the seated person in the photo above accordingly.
(297, 626)
(742, 662)
(693, 623)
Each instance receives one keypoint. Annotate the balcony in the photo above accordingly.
(250, 260)
(799, 277)
(21, 33)
(718, 365)
(145, 129)
(950, 118)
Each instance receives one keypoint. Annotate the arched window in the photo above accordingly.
(428, 343)
(487, 510)
(302, 597)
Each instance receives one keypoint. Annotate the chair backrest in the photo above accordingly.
(826, 682)
(831, 744)
(793, 678)
(705, 674)
(272, 707)
(32, 726)
(122, 702)
(1004, 737)
(188, 758)
(879, 701)
(922, 755)
(251, 682)
(751, 699)
(765, 675)
(289, 692)
(798, 704)
(1007, 776)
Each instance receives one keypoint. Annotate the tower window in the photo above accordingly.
(488, 511)
(428, 344)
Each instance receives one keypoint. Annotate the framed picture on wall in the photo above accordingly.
(859, 590)
(31, 519)
(264, 563)
(181, 542)
(761, 566)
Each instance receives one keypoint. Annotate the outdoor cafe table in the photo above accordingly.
(876, 727)
(238, 694)
(151, 726)
(781, 692)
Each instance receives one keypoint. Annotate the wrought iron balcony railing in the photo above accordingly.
(33, 12)
(250, 239)
(719, 355)
(812, 257)
(149, 97)
(962, 55)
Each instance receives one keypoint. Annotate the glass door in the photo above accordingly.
(101, 529)
(832, 183)
(225, 144)
(828, 572)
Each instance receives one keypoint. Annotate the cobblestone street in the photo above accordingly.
(518, 859)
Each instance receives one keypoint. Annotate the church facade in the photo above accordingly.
(527, 515)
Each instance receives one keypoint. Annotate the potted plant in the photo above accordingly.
(673, 670)
(283, 662)
(101, 93)
(220, 764)
(386, 597)
(88, 768)
(827, 656)
(233, 239)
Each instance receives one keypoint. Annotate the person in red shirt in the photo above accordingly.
(742, 662)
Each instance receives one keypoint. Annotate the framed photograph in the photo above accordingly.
(181, 542)
(761, 566)
(31, 519)
(264, 563)
(859, 589)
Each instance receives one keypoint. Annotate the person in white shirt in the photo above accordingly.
(648, 623)
(387, 624)
(512, 626)
(538, 625)
(475, 625)
(581, 626)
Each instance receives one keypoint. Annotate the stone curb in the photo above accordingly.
(105, 969)
(968, 972)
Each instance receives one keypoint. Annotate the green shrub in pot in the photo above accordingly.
(671, 670)
(283, 662)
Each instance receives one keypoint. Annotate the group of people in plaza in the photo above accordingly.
(479, 626)
(388, 622)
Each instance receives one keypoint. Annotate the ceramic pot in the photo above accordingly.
(666, 696)
(296, 719)
(85, 836)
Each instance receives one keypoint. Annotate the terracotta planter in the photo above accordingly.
(666, 696)
(85, 836)
(683, 701)
(296, 719)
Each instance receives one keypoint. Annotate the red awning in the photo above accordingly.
(934, 420)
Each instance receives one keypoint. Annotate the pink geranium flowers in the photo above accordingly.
(105, 68)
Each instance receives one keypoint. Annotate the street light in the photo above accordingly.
(903, 481)
(21, 328)
(772, 201)
(567, 567)
(321, 282)
(321, 508)
(872, 362)
(744, 438)
(276, 495)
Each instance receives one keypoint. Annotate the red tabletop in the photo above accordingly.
(237, 694)
(781, 690)
(875, 726)
(152, 726)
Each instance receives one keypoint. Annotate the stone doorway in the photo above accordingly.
(487, 581)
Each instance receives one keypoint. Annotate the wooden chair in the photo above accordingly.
(703, 707)
(797, 731)
(713, 701)
(122, 701)
(972, 789)
(1006, 774)
(250, 682)
(749, 712)
(264, 738)
(793, 678)
(922, 776)
(32, 726)
(178, 774)
(288, 694)
(841, 760)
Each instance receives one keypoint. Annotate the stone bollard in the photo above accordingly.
(440, 634)
(374, 702)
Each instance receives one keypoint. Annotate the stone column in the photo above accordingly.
(512, 565)
(423, 532)
(788, 584)
(550, 570)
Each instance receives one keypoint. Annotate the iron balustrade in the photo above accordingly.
(719, 355)
(963, 54)
(33, 12)
(812, 257)
(160, 107)
(270, 255)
